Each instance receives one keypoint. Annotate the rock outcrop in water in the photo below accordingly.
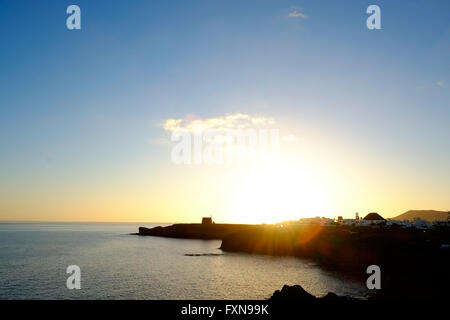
(297, 293)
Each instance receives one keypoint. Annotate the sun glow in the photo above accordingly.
(279, 193)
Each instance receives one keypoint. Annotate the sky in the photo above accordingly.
(86, 115)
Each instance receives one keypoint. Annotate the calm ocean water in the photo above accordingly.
(116, 265)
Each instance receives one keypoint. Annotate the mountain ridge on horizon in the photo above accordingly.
(429, 215)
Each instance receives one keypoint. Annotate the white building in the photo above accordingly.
(399, 223)
(441, 223)
(317, 220)
(349, 222)
(421, 224)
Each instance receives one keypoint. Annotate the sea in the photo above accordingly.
(115, 264)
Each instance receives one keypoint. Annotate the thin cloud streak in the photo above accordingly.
(233, 121)
(296, 14)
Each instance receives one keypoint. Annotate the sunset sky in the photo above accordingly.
(363, 115)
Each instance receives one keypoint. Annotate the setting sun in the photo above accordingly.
(279, 193)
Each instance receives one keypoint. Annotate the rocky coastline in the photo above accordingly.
(217, 231)
(297, 293)
(414, 262)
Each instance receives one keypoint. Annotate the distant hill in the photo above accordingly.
(373, 216)
(429, 215)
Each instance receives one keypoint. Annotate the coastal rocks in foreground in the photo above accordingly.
(293, 302)
(297, 293)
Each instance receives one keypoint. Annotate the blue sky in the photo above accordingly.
(87, 105)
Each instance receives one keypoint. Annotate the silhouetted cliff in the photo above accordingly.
(195, 230)
(412, 261)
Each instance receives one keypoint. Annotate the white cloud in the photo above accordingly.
(296, 13)
(234, 121)
(231, 137)
(440, 83)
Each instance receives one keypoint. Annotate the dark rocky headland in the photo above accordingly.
(414, 263)
(211, 231)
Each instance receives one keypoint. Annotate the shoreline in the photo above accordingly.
(413, 262)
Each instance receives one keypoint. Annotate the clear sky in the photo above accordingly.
(82, 112)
